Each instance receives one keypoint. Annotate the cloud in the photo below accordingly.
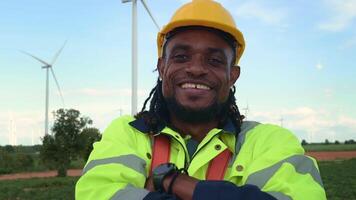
(329, 92)
(26, 126)
(105, 92)
(267, 15)
(102, 110)
(319, 66)
(312, 124)
(343, 15)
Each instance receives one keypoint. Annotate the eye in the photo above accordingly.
(180, 58)
(216, 61)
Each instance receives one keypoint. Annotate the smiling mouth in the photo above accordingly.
(194, 86)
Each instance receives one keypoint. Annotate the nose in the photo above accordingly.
(196, 67)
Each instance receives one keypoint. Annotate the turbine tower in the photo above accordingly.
(49, 67)
(12, 131)
(32, 137)
(246, 109)
(281, 120)
(134, 50)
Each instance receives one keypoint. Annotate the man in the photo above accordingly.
(192, 143)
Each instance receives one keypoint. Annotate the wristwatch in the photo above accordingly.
(160, 173)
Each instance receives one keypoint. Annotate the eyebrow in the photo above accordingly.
(180, 47)
(217, 50)
(186, 47)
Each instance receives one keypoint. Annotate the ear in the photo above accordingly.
(234, 74)
(160, 67)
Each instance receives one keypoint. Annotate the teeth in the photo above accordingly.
(203, 87)
(188, 85)
(195, 86)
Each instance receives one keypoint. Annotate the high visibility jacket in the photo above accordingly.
(264, 155)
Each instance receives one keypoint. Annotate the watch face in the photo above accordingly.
(160, 173)
(164, 168)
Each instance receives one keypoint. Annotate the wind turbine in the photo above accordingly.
(281, 120)
(49, 66)
(12, 130)
(246, 109)
(134, 50)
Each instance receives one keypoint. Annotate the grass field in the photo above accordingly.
(38, 188)
(330, 147)
(339, 179)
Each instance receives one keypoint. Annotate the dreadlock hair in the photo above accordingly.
(158, 112)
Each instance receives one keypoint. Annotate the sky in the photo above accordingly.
(298, 69)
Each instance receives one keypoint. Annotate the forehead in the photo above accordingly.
(197, 39)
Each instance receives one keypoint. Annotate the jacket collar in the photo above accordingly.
(140, 125)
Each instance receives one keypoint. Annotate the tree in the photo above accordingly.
(9, 149)
(337, 142)
(304, 142)
(350, 141)
(326, 141)
(64, 145)
(88, 136)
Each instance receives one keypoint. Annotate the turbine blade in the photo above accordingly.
(58, 87)
(149, 12)
(38, 59)
(58, 52)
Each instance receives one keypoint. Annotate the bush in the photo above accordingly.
(15, 162)
(23, 161)
(6, 162)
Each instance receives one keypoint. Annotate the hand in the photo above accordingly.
(149, 184)
(183, 187)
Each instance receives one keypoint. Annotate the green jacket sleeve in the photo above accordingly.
(116, 169)
(280, 168)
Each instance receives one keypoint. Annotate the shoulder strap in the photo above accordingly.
(217, 167)
(161, 151)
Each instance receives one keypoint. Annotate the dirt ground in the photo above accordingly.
(70, 172)
(332, 155)
(320, 156)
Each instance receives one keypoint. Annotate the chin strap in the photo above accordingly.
(161, 154)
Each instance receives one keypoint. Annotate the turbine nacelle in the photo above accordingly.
(46, 66)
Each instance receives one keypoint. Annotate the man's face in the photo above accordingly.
(196, 69)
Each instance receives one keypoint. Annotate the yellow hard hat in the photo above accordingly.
(207, 13)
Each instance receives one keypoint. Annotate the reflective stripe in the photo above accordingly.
(131, 161)
(301, 163)
(279, 196)
(245, 127)
(130, 193)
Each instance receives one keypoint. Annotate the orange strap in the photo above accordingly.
(218, 166)
(161, 153)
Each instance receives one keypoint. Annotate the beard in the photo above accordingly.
(197, 116)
